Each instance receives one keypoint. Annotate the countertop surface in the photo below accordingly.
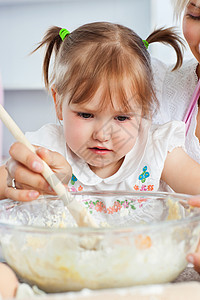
(185, 287)
(189, 274)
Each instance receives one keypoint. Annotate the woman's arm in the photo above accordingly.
(182, 173)
(194, 258)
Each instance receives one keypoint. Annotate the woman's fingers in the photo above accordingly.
(194, 201)
(194, 258)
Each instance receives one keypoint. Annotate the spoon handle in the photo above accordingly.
(77, 210)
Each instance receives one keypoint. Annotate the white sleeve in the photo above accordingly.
(170, 135)
(49, 136)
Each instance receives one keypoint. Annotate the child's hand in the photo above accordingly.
(26, 168)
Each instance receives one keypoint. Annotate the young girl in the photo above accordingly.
(102, 85)
(104, 95)
(175, 89)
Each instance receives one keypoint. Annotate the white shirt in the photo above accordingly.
(174, 91)
(140, 171)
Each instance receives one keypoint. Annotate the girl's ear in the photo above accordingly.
(57, 107)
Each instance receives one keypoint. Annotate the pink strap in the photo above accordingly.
(1, 125)
(189, 113)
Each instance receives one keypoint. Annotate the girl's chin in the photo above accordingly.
(97, 165)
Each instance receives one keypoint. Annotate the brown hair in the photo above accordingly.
(103, 52)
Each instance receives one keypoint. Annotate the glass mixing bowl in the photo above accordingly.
(152, 235)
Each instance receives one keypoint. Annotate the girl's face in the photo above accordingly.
(191, 27)
(101, 137)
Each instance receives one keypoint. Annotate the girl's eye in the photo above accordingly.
(122, 118)
(85, 115)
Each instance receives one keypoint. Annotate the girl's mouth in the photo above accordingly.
(99, 150)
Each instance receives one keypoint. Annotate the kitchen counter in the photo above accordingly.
(179, 291)
(185, 287)
(189, 274)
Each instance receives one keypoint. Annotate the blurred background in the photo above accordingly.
(22, 25)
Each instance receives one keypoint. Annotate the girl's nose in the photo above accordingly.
(102, 133)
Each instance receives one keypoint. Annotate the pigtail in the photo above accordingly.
(52, 41)
(169, 36)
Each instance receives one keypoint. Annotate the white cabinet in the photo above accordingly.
(23, 23)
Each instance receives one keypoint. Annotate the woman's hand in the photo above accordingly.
(194, 258)
(26, 167)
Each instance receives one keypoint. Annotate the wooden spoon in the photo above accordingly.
(77, 210)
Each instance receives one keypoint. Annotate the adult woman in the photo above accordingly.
(175, 89)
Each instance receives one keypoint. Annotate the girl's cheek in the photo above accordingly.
(75, 133)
